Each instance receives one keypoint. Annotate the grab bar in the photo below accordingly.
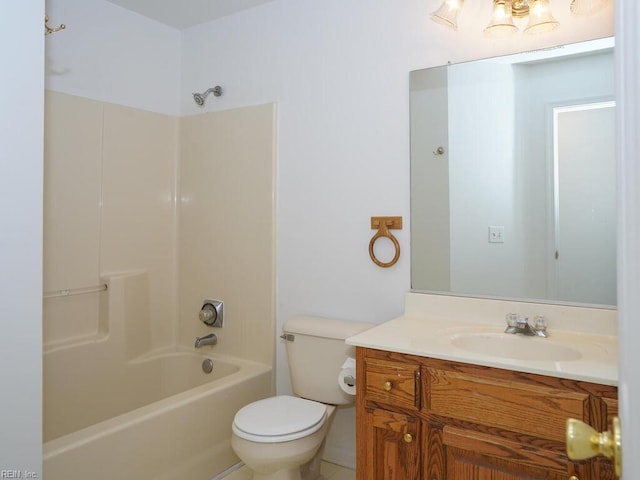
(75, 291)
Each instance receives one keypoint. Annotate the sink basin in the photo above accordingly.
(517, 347)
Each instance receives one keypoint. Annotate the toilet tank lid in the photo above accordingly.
(324, 327)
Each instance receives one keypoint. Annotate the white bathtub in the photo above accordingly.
(163, 418)
(156, 416)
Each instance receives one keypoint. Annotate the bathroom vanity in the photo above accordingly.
(425, 418)
(444, 392)
(429, 409)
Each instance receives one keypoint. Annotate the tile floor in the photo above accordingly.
(330, 471)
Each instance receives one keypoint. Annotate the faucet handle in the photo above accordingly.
(511, 319)
(212, 312)
(540, 323)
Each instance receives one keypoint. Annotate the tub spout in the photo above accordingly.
(210, 339)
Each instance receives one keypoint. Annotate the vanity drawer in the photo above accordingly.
(392, 383)
(527, 408)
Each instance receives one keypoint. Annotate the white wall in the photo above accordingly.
(110, 54)
(481, 171)
(21, 144)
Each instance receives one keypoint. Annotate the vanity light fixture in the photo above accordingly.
(538, 13)
(540, 18)
(501, 23)
(587, 7)
(448, 12)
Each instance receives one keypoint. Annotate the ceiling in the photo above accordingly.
(186, 13)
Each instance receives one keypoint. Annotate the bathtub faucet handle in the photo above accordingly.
(210, 339)
(212, 313)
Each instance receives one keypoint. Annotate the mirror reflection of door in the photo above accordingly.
(584, 254)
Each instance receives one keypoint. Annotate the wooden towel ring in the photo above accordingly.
(383, 224)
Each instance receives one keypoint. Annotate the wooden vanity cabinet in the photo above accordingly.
(389, 427)
(422, 418)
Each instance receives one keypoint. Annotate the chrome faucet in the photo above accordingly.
(520, 325)
(210, 339)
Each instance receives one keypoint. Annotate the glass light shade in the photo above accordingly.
(501, 23)
(587, 7)
(540, 18)
(447, 14)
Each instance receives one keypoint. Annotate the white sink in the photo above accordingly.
(517, 347)
(581, 345)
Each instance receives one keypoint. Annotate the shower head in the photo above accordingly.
(199, 98)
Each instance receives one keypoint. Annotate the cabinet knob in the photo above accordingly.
(574, 477)
(388, 386)
(407, 437)
(584, 442)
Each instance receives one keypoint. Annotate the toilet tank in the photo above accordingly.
(316, 352)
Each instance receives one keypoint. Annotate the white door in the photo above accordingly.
(585, 203)
(628, 143)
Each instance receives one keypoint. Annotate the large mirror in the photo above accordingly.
(513, 177)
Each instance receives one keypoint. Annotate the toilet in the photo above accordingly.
(282, 437)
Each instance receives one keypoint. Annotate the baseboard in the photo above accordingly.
(228, 471)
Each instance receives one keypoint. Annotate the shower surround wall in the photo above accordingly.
(227, 228)
(111, 205)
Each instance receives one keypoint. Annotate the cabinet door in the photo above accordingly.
(392, 447)
(605, 468)
(459, 454)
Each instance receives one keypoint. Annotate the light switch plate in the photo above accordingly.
(496, 234)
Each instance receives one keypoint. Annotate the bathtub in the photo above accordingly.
(162, 417)
(110, 415)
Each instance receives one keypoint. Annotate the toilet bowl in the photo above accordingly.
(282, 437)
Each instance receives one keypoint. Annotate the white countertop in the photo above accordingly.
(592, 356)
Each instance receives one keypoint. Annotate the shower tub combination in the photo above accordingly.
(156, 416)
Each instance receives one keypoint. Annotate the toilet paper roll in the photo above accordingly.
(347, 376)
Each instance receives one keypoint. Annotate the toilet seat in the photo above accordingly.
(279, 419)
